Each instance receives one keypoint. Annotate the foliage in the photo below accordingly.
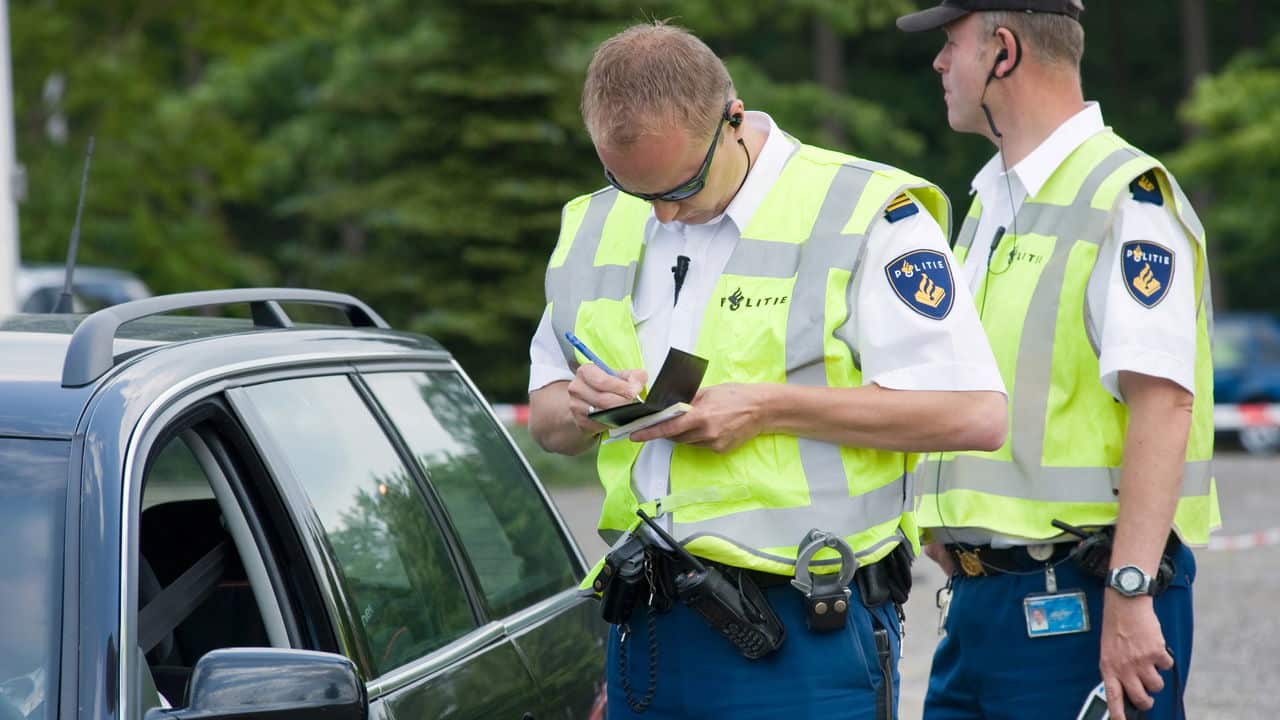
(1238, 148)
(417, 153)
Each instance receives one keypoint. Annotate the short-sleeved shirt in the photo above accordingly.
(1159, 341)
(899, 347)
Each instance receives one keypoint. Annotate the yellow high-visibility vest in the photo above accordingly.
(1062, 457)
(779, 314)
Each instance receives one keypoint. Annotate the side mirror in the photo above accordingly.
(248, 683)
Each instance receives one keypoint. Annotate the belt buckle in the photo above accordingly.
(970, 563)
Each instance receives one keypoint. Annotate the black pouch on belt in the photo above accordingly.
(622, 583)
(888, 579)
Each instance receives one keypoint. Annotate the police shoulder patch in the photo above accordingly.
(1148, 271)
(1146, 188)
(922, 279)
(901, 207)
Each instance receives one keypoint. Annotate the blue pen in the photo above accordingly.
(582, 348)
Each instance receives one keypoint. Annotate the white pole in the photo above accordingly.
(10, 175)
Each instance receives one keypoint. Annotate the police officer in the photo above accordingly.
(1088, 267)
(821, 290)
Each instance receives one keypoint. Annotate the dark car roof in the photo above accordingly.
(152, 352)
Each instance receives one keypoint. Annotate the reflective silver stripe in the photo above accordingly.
(826, 248)
(578, 280)
(806, 352)
(840, 513)
(1078, 221)
(968, 230)
(1049, 484)
(897, 537)
(1034, 371)
(764, 258)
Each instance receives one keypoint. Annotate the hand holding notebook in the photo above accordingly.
(672, 391)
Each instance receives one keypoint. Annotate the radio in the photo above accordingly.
(736, 609)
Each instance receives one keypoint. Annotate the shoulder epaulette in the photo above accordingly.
(1146, 188)
(901, 207)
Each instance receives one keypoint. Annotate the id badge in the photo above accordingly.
(1056, 614)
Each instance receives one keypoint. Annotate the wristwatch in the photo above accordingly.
(1130, 581)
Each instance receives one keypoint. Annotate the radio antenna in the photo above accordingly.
(64, 301)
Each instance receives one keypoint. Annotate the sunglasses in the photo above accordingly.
(688, 188)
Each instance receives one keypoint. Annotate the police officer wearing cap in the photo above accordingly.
(821, 290)
(1088, 266)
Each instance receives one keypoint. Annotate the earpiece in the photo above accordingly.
(734, 120)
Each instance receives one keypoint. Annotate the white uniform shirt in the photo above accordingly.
(1159, 341)
(899, 348)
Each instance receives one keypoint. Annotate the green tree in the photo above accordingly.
(1235, 155)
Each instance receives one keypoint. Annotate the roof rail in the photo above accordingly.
(90, 354)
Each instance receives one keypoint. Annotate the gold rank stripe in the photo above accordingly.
(901, 202)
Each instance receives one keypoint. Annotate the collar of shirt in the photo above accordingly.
(1035, 169)
(765, 171)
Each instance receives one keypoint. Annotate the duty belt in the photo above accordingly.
(979, 560)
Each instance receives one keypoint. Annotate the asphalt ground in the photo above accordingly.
(1235, 670)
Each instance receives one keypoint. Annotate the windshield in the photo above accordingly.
(32, 511)
(1230, 344)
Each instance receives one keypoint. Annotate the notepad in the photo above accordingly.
(623, 432)
(668, 397)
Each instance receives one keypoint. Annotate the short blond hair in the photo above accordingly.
(651, 78)
(1051, 38)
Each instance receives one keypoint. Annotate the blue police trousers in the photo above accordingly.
(828, 676)
(987, 668)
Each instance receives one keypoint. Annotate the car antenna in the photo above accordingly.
(64, 300)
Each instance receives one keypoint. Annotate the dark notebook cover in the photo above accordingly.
(677, 382)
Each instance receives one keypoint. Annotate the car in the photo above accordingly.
(222, 517)
(93, 288)
(1246, 370)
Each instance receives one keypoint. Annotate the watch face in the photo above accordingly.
(1129, 579)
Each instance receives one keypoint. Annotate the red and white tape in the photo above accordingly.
(1234, 417)
(512, 414)
(1247, 541)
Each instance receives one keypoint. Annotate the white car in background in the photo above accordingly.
(39, 287)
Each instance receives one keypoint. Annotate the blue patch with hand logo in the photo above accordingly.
(922, 279)
(1148, 271)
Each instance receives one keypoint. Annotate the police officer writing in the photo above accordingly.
(821, 291)
(1068, 544)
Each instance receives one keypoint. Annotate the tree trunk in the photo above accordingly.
(1195, 42)
(1195, 53)
(1247, 21)
(828, 68)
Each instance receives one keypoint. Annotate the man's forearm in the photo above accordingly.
(552, 425)
(1151, 478)
(874, 417)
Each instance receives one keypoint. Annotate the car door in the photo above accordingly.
(394, 577)
(524, 559)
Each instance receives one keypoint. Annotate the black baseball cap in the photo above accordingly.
(952, 10)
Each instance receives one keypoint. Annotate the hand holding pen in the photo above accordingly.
(595, 360)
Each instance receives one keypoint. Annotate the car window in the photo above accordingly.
(514, 543)
(1230, 344)
(1268, 344)
(393, 555)
(32, 515)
